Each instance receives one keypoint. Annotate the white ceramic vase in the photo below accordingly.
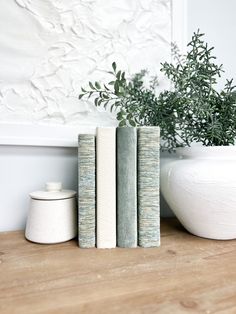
(200, 188)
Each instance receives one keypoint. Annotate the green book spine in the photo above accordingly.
(148, 186)
(127, 187)
(86, 191)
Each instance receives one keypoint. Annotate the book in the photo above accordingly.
(127, 187)
(148, 186)
(86, 191)
(106, 187)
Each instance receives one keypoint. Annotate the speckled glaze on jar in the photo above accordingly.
(52, 216)
(200, 188)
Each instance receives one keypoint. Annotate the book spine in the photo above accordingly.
(86, 191)
(106, 187)
(148, 186)
(127, 187)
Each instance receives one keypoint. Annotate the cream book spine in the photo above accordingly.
(106, 187)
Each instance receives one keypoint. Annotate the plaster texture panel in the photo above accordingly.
(50, 48)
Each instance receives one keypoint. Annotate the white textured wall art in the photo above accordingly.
(50, 48)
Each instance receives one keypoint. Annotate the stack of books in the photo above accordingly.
(118, 188)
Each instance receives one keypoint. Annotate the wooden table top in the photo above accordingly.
(186, 274)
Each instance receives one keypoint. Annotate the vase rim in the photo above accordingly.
(228, 152)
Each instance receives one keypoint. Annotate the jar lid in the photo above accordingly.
(53, 192)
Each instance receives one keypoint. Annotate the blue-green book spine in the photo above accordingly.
(148, 186)
(127, 187)
(86, 191)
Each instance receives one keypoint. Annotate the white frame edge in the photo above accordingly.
(41, 134)
(179, 24)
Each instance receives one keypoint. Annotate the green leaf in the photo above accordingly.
(91, 85)
(114, 66)
(122, 123)
(83, 90)
(121, 91)
(105, 96)
(119, 116)
(97, 85)
(100, 102)
(105, 104)
(116, 87)
(80, 96)
(132, 123)
(112, 107)
(96, 101)
(118, 75)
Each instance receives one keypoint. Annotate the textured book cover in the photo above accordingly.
(86, 191)
(148, 186)
(106, 187)
(127, 187)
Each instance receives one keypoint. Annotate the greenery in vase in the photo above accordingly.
(192, 111)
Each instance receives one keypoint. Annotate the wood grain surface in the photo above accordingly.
(186, 274)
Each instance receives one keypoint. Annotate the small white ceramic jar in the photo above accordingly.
(52, 215)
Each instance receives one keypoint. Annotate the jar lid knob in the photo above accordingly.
(53, 186)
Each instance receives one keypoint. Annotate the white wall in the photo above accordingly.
(216, 18)
(24, 169)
